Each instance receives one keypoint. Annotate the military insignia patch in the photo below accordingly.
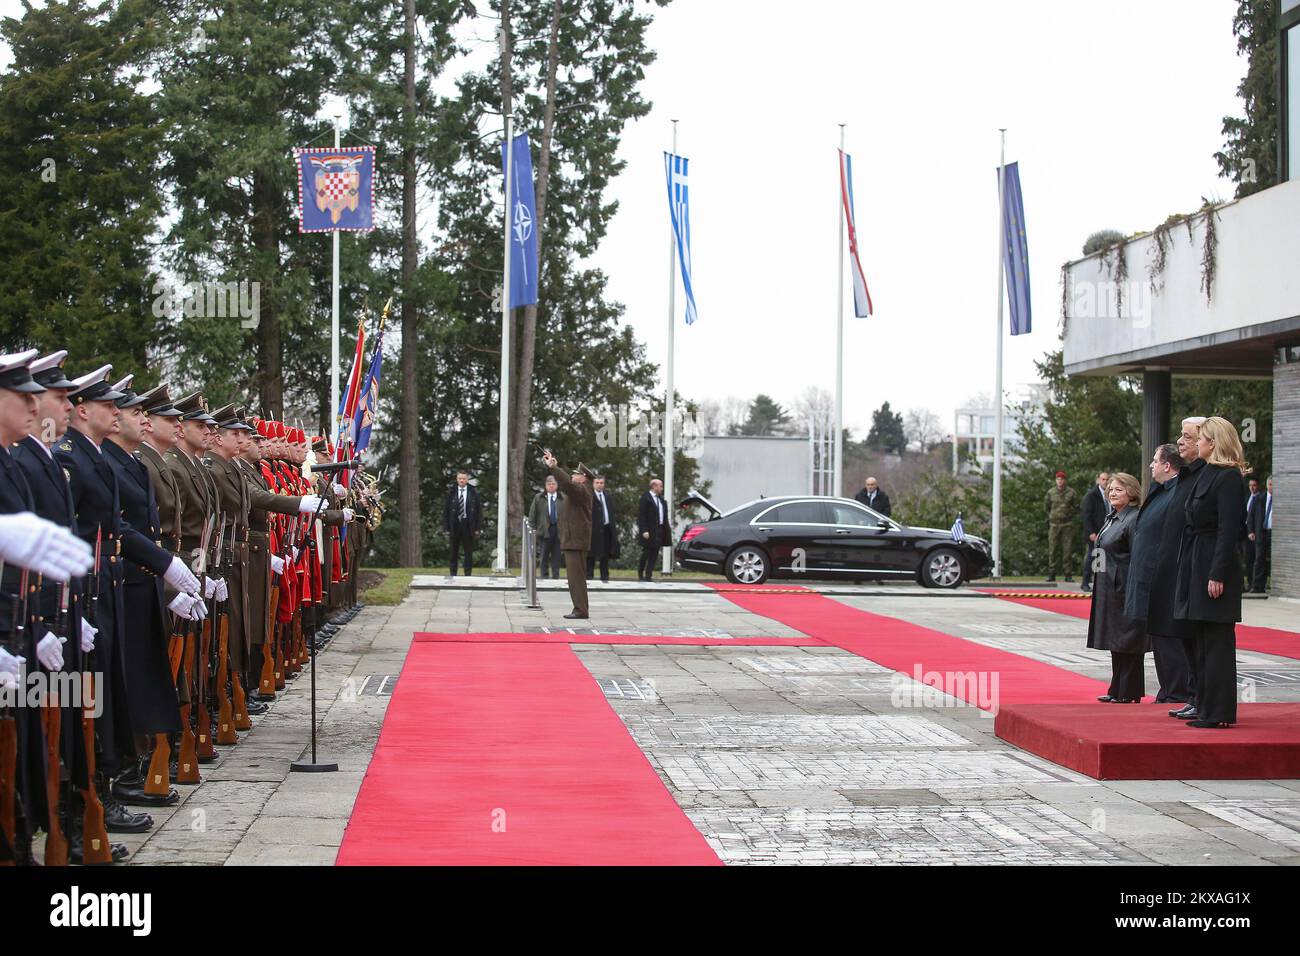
(67, 474)
(65, 445)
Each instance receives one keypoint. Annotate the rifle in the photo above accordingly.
(187, 761)
(56, 841)
(95, 848)
(225, 712)
(9, 735)
(266, 679)
(203, 745)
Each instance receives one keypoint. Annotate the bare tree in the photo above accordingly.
(921, 426)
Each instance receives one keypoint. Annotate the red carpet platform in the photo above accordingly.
(508, 753)
(1142, 742)
(563, 638)
(1262, 640)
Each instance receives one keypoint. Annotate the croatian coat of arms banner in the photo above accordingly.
(336, 188)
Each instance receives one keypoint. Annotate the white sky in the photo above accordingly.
(1112, 108)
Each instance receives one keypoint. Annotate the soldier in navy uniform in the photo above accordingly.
(96, 496)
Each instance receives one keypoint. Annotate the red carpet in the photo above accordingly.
(1262, 640)
(508, 753)
(915, 650)
(507, 638)
(1127, 742)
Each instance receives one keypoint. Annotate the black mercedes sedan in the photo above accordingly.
(834, 539)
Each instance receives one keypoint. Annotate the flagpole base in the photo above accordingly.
(313, 766)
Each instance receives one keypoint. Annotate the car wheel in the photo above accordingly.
(941, 568)
(747, 564)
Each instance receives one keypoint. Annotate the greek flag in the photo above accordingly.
(958, 530)
(680, 210)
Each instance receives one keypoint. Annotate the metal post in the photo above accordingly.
(334, 324)
(668, 400)
(837, 468)
(997, 390)
(503, 438)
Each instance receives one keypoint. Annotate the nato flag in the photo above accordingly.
(522, 210)
(1015, 255)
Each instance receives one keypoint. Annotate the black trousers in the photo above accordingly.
(645, 565)
(1127, 680)
(1193, 669)
(1263, 560)
(1216, 665)
(1088, 556)
(462, 538)
(603, 561)
(1173, 670)
(551, 555)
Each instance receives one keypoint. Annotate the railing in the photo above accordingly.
(528, 567)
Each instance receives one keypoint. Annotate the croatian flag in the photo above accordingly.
(861, 297)
(675, 169)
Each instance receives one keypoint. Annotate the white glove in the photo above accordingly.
(347, 515)
(340, 490)
(209, 588)
(7, 680)
(43, 547)
(198, 610)
(309, 504)
(222, 593)
(181, 605)
(88, 632)
(277, 564)
(180, 577)
(11, 665)
(295, 552)
(50, 651)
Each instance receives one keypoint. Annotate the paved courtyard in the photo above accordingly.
(777, 754)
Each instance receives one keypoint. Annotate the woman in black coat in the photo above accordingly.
(1208, 590)
(1109, 628)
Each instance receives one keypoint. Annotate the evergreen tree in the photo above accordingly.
(1249, 155)
(887, 432)
(766, 417)
(79, 200)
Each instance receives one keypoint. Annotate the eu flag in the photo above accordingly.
(1015, 254)
(521, 208)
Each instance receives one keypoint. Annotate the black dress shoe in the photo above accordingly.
(133, 794)
(253, 707)
(575, 616)
(119, 850)
(1052, 579)
(1223, 724)
(1188, 714)
(1182, 711)
(1105, 699)
(262, 698)
(118, 819)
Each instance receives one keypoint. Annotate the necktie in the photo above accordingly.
(605, 510)
(462, 502)
(552, 507)
(1268, 514)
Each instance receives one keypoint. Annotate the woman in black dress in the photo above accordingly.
(1109, 628)
(1208, 590)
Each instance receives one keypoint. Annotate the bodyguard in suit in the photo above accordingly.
(1249, 538)
(462, 519)
(544, 516)
(873, 497)
(604, 530)
(1160, 592)
(652, 528)
(1208, 591)
(575, 530)
(1259, 527)
(1172, 669)
(1094, 509)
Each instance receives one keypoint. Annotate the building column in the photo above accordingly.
(1286, 477)
(1155, 417)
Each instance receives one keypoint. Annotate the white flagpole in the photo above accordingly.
(503, 437)
(837, 476)
(334, 324)
(668, 401)
(997, 388)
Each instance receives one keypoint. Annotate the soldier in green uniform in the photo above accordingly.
(1062, 509)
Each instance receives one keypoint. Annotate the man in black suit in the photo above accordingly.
(873, 497)
(1094, 507)
(1259, 532)
(544, 516)
(462, 519)
(604, 531)
(652, 529)
(1248, 539)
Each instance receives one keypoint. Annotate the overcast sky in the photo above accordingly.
(1113, 109)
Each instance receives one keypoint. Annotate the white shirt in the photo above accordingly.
(660, 505)
(1268, 511)
(600, 495)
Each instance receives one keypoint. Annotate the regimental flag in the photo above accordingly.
(861, 296)
(522, 210)
(336, 188)
(679, 208)
(958, 529)
(1015, 255)
(368, 401)
(348, 400)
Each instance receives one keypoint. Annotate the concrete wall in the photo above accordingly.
(1257, 281)
(742, 469)
(1286, 480)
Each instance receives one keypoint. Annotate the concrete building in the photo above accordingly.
(1248, 325)
(974, 428)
